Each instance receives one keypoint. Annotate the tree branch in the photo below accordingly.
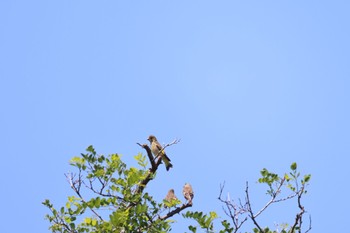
(272, 199)
(91, 187)
(149, 153)
(299, 216)
(251, 215)
(77, 190)
(309, 225)
(234, 211)
(175, 211)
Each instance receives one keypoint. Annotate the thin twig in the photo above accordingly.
(286, 198)
(272, 199)
(250, 209)
(309, 225)
(91, 187)
(233, 211)
(299, 216)
(77, 191)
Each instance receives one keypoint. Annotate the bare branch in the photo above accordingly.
(91, 187)
(309, 229)
(299, 216)
(175, 141)
(251, 215)
(272, 199)
(233, 211)
(286, 198)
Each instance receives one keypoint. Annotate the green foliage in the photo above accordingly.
(205, 221)
(227, 227)
(171, 203)
(117, 192)
(291, 180)
(269, 178)
(293, 166)
(111, 197)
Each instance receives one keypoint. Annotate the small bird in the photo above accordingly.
(158, 150)
(171, 195)
(188, 193)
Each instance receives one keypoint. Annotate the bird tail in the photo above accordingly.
(166, 160)
(168, 166)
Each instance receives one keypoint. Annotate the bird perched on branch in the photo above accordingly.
(158, 150)
(171, 195)
(188, 193)
(171, 199)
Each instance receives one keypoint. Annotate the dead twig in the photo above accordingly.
(233, 211)
(251, 214)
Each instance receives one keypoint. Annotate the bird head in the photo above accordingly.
(151, 138)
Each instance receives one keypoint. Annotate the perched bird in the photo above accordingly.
(158, 150)
(188, 193)
(171, 195)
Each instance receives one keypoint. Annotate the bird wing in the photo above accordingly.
(159, 147)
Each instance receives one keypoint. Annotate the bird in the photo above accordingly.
(188, 193)
(171, 195)
(158, 150)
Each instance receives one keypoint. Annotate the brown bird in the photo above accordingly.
(188, 193)
(158, 150)
(171, 195)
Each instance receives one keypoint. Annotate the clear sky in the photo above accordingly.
(244, 84)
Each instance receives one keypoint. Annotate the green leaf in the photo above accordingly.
(91, 150)
(192, 228)
(93, 222)
(307, 178)
(97, 202)
(72, 225)
(118, 218)
(75, 161)
(293, 166)
(100, 172)
(264, 172)
(101, 159)
(286, 176)
(88, 221)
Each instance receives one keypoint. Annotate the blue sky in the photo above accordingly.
(244, 84)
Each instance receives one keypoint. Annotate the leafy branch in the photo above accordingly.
(121, 205)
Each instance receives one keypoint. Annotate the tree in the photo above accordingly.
(111, 197)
